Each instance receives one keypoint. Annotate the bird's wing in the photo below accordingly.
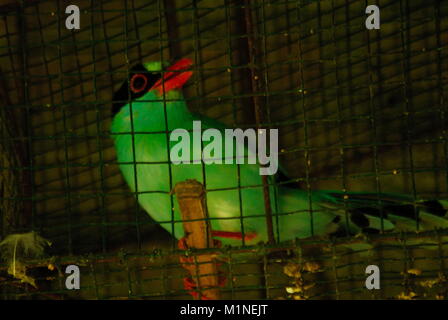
(281, 177)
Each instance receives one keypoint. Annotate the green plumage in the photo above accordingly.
(234, 192)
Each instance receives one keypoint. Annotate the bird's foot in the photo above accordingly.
(189, 264)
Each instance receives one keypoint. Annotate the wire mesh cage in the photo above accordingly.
(362, 112)
(12, 179)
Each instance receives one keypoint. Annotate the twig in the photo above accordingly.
(203, 268)
(253, 52)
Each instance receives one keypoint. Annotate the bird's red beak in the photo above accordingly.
(174, 76)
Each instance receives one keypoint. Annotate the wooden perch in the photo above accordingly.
(202, 267)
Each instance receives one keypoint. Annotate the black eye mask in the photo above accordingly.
(138, 83)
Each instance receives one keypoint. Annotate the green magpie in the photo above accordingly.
(149, 105)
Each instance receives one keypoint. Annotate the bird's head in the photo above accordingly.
(158, 78)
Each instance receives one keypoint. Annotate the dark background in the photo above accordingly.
(357, 110)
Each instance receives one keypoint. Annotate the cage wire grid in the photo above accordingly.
(357, 110)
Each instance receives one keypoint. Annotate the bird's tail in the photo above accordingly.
(372, 213)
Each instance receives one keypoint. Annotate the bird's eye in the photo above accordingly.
(138, 83)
